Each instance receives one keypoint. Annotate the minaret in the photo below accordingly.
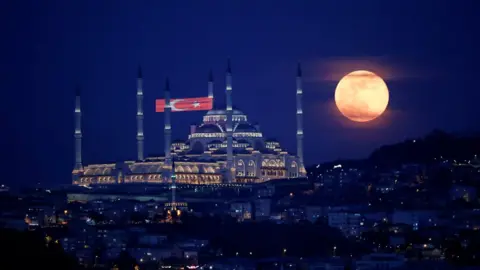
(167, 131)
(299, 118)
(78, 132)
(174, 187)
(228, 89)
(140, 137)
(210, 84)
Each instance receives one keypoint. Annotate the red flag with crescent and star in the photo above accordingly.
(185, 104)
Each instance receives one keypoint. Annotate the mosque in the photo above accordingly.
(224, 149)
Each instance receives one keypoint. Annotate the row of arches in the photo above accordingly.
(198, 179)
(273, 163)
(97, 180)
(149, 169)
(193, 169)
(153, 178)
(244, 170)
(98, 171)
(250, 169)
(182, 178)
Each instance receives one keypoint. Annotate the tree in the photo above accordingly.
(97, 217)
(138, 217)
(30, 250)
(321, 221)
(125, 261)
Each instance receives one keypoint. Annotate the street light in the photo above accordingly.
(334, 249)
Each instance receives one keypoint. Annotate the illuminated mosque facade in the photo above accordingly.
(224, 149)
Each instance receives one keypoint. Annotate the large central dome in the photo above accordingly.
(211, 133)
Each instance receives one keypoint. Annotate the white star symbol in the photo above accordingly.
(196, 104)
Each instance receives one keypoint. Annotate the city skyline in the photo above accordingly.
(247, 135)
(99, 46)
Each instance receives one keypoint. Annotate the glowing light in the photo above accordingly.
(361, 96)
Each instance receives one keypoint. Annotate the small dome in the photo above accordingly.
(219, 151)
(208, 128)
(245, 127)
(215, 112)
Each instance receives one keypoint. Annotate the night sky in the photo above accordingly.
(424, 50)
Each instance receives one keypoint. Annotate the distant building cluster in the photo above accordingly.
(394, 217)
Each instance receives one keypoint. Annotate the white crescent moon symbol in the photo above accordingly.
(172, 105)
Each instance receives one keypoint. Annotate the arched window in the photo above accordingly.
(294, 169)
(252, 168)
(106, 171)
(279, 163)
(179, 168)
(265, 163)
(240, 168)
(198, 147)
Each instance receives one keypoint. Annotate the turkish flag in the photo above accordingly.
(185, 104)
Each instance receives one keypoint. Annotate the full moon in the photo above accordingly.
(361, 96)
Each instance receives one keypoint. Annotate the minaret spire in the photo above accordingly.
(167, 132)
(169, 165)
(140, 136)
(174, 187)
(228, 89)
(301, 168)
(78, 131)
(210, 84)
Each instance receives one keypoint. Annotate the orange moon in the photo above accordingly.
(361, 96)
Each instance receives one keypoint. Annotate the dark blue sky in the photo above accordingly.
(425, 50)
